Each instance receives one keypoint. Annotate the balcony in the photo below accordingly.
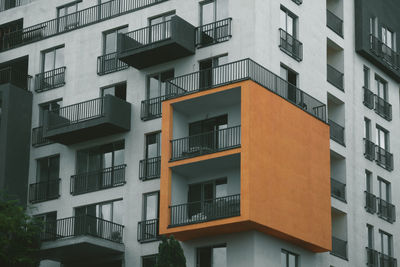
(98, 180)
(334, 23)
(76, 20)
(336, 132)
(81, 237)
(384, 158)
(377, 259)
(50, 79)
(368, 98)
(147, 231)
(213, 33)
(239, 71)
(15, 77)
(390, 57)
(44, 191)
(386, 210)
(339, 248)
(87, 120)
(205, 143)
(291, 45)
(109, 63)
(383, 108)
(369, 149)
(38, 139)
(157, 43)
(370, 202)
(149, 168)
(8, 4)
(338, 190)
(151, 108)
(335, 77)
(204, 211)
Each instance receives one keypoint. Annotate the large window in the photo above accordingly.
(48, 168)
(49, 106)
(382, 138)
(213, 256)
(289, 259)
(67, 17)
(381, 88)
(159, 29)
(109, 211)
(118, 90)
(288, 22)
(52, 59)
(384, 190)
(156, 83)
(388, 38)
(386, 243)
(110, 39)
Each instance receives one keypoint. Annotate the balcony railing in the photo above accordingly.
(207, 210)
(335, 77)
(50, 79)
(205, 143)
(377, 259)
(383, 108)
(388, 55)
(215, 32)
(339, 248)
(8, 4)
(336, 132)
(44, 191)
(370, 202)
(368, 98)
(151, 108)
(241, 70)
(334, 23)
(73, 21)
(384, 158)
(109, 63)
(15, 77)
(82, 225)
(147, 231)
(386, 210)
(98, 180)
(338, 190)
(369, 149)
(149, 168)
(299, 2)
(38, 139)
(291, 45)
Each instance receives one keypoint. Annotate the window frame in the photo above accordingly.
(160, 82)
(287, 253)
(47, 158)
(382, 182)
(158, 143)
(197, 260)
(201, 5)
(370, 236)
(379, 131)
(294, 18)
(110, 31)
(53, 50)
(103, 88)
(144, 205)
(389, 244)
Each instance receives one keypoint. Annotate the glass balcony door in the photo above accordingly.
(206, 134)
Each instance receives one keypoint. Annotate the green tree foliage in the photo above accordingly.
(19, 236)
(170, 253)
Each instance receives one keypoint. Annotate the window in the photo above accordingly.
(67, 17)
(291, 77)
(48, 168)
(156, 83)
(207, 12)
(117, 90)
(149, 260)
(150, 206)
(381, 88)
(373, 26)
(216, 124)
(52, 59)
(110, 39)
(368, 181)
(366, 77)
(289, 259)
(386, 243)
(367, 128)
(214, 256)
(288, 21)
(49, 106)
(153, 145)
(109, 211)
(49, 221)
(382, 138)
(159, 28)
(384, 189)
(370, 232)
(206, 66)
(388, 38)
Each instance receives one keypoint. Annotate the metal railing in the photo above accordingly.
(335, 77)
(207, 210)
(76, 113)
(38, 139)
(215, 32)
(388, 55)
(370, 202)
(386, 210)
(369, 149)
(82, 225)
(43, 191)
(245, 69)
(109, 63)
(384, 158)
(383, 108)
(290, 45)
(98, 180)
(339, 247)
(8, 4)
(147, 230)
(205, 143)
(368, 98)
(338, 190)
(145, 36)
(377, 259)
(334, 23)
(15, 77)
(151, 108)
(73, 21)
(50, 79)
(336, 132)
(149, 168)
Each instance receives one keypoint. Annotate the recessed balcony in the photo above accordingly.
(157, 43)
(87, 120)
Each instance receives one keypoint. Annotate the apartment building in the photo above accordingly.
(258, 133)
